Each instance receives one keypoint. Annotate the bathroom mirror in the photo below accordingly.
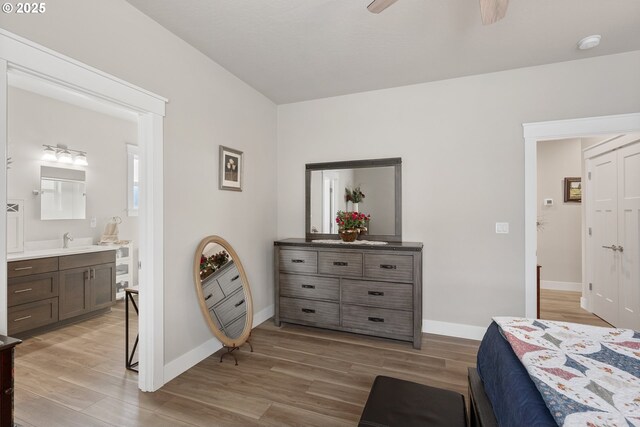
(380, 181)
(223, 292)
(62, 193)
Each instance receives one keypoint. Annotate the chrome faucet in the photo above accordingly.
(66, 239)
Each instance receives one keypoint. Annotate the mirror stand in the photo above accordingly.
(231, 349)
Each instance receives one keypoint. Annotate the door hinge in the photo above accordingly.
(590, 232)
(589, 176)
(590, 286)
(139, 265)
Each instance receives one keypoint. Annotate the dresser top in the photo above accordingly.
(390, 246)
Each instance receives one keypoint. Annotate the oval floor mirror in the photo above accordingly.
(223, 293)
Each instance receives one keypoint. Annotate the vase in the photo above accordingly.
(349, 235)
(355, 207)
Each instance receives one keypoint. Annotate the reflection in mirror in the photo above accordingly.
(372, 187)
(223, 291)
(62, 193)
(328, 197)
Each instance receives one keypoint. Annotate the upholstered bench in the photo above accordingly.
(398, 403)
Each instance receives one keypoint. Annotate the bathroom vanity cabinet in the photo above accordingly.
(45, 291)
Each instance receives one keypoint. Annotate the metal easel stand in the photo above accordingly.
(231, 349)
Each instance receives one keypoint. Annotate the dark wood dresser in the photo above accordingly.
(367, 289)
(7, 345)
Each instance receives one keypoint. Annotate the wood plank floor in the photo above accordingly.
(296, 376)
(565, 306)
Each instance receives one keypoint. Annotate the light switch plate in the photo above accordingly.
(502, 227)
(93, 222)
(548, 202)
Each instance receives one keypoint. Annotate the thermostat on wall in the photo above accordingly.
(548, 202)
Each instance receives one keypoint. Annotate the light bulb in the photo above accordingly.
(81, 160)
(49, 154)
(64, 156)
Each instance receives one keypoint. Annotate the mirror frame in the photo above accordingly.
(396, 162)
(225, 340)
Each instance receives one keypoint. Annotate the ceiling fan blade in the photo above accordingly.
(377, 6)
(493, 10)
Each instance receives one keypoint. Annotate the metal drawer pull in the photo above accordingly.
(238, 304)
(235, 278)
(341, 263)
(22, 268)
(297, 261)
(19, 291)
(210, 295)
(22, 318)
(309, 286)
(308, 310)
(376, 319)
(376, 293)
(388, 266)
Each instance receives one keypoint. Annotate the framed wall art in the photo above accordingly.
(231, 169)
(573, 190)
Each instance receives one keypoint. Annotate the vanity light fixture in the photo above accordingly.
(62, 154)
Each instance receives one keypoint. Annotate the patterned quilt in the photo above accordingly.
(588, 376)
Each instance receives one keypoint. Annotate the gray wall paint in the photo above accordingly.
(462, 150)
(560, 238)
(378, 185)
(207, 107)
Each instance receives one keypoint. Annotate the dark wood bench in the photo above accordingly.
(393, 402)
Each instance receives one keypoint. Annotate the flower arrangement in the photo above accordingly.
(352, 220)
(212, 263)
(353, 196)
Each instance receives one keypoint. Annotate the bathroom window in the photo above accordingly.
(133, 182)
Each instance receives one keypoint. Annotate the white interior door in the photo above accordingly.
(603, 206)
(629, 235)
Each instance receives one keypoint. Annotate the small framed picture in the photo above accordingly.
(573, 190)
(231, 165)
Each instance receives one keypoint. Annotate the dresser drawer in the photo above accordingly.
(231, 307)
(377, 320)
(340, 263)
(311, 287)
(32, 315)
(211, 292)
(31, 266)
(317, 313)
(392, 267)
(378, 294)
(292, 261)
(229, 280)
(235, 328)
(21, 290)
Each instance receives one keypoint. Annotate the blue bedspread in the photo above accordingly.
(515, 399)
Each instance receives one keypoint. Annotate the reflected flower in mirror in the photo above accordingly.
(209, 265)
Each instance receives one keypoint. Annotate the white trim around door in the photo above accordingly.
(560, 129)
(21, 55)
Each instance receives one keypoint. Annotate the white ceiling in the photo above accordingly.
(294, 50)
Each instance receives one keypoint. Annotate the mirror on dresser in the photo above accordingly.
(379, 180)
(223, 293)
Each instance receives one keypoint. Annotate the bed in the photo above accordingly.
(502, 392)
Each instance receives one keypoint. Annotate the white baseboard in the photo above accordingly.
(561, 286)
(583, 304)
(198, 354)
(190, 359)
(453, 329)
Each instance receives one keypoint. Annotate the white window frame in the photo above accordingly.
(132, 156)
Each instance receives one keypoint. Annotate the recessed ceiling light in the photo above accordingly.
(589, 42)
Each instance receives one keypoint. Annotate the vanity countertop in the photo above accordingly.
(46, 253)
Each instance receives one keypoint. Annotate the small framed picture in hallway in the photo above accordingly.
(231, 166)
(573, 190)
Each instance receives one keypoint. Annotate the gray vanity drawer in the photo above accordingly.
(231, 307)
(317, 313)
(377, 320)
(378, 294)
(312, 287)
(22, 290)
(229, 280)
(235, 328)
(32, 315)
(212, 293)
(31, 266)
(340, 263)
(293, 261)
(392, 267)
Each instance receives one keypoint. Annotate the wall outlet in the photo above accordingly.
(548, 202)
(94, 222)
(502, 227)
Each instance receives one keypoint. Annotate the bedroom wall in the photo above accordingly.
(208, 106)
(461, 143)
(560, 236)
